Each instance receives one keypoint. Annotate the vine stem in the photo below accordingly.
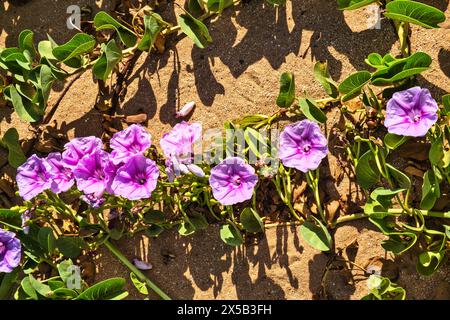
(393, 212)
(313, 183)
(135, 270)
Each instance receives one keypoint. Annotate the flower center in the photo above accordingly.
(416, 119)
(99, 174)
(2, 248)
(236, 180)
(142, 181)
(306, 148)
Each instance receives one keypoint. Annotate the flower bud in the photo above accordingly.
(196, 170)
(187, 108)
(141, 265)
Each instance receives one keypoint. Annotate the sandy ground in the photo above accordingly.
(235, 76)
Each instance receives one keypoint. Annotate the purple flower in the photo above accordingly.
(141, 265)
(178, 148)
(136, 179)
(61, 175)
(32, 177)
(10, 251)
(95, 173)
(187, 108)
(93, 200)
(302, 146)
(79, 147)
(411, 112)
(129, 142)
(232, 181)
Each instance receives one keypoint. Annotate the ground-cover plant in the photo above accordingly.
(28, 71)
(403, 13)
(93, 194)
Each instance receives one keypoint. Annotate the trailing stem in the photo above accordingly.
(135, 270)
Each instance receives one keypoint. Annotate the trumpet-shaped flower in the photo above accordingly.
(61, 176)
(178, 148)
(136, 179)
(232, 181)
(129, 142)
(411, 112)
(77, 148)
(33, 177)
(94, 173)
(10, 251)
(302, 146)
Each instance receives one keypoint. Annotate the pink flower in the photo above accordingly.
(136, 179)
(302, 146)
(232, 181)
(411, 112)
(129, 142)
(94, 174)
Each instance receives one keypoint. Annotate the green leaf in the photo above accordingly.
(287, 90)
(199, 221)
(430, 190)
(401, 69)
(103, 21)
(436, 153)
(154, 217)
(414, 12)
(375, 60)
(64, 270)
(218, 5)
(185, 228)
(70, 247)
(393, 141)
(70, 52)
(402, 179)
(195, 29)
(367, 174)
(64, 293)
(251, 221)
(26, 110)
(316, 235)
(429, 262)
(311, 110)
(10, 140)
(9, 215)
(111, 56)
(323, 76)
(46, 239)
(154, 230)
(251, 120)
(152, 24)
(196, 7)
(446, 104)
(375, 209)
(255, 142)
(7, 282)
(231, 235)
(353, 4)
(351, 87)
(139, 285)
(28, 288)
(111, 289)
(398, 242)
(45, 49)
(26, 41)
(43, 289)
(384, 196)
